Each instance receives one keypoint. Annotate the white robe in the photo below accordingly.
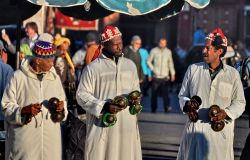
(102, 80)
(199, 141)
(41, 138)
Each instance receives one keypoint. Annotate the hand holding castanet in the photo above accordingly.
(56, 108)
(112, 108)
(134, 99)
(30, 111)
(191, 108)
(217, 117)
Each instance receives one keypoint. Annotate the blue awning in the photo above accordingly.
(130, 7)
(133, 7)
(95, 9)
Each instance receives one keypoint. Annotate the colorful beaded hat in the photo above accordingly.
(44, 49)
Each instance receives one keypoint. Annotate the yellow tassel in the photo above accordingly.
(69, 61)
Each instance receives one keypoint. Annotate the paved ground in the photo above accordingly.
(161, 132)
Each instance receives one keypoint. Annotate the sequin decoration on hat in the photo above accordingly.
(43, 49)
(217, 32)
(109, 33)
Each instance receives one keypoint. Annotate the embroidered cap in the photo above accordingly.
(217, 32)
(44, 49)
(109, 33)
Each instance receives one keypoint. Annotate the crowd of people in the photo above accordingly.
(51, 85)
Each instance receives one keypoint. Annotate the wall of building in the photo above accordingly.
(226, 14)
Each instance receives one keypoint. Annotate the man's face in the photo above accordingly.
(44, 64)
(63, 49)
(136, 44)
(210, 54)
(29, 32)
(115, 46)
(163, 43)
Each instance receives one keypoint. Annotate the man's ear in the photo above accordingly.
(37, 60)
(220, 51)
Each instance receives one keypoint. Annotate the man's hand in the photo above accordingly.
(188, 107)
(172, 78)
(114, 108)
(193, 115)
(32, 109)
(6, 38)
(219, 116)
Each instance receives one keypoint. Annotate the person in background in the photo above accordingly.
(33, 129)
(217, 84)
(146, 71)
(161, 63)
(65, 68)
(92, 47)
(198, 37)
(6, 73)
(132, 52)
(85, 55)
(31, 30)
(63, 63)
(78, 60)
(108, 76)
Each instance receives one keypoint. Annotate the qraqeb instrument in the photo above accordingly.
(55, 116)
(135, 106)
(215, 125)
(109, 119)
(191, 108)
(133, 100)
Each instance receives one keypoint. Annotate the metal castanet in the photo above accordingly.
(109, 119)
(192, 107)
(215, 125)
(55, 116)
(120, 101)
(135, 106)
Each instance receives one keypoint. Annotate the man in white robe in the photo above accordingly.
(108, 76)
(32, 132)
(216, 84)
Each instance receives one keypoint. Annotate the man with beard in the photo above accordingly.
(216, 84)
(108, 76)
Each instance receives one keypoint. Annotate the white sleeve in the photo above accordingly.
(79, 56)
(238, 104)
(10, 108)
(85, 93)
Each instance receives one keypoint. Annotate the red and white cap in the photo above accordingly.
(217, 32)
(109, 33)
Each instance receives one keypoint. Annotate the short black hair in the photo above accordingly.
(217, 43)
